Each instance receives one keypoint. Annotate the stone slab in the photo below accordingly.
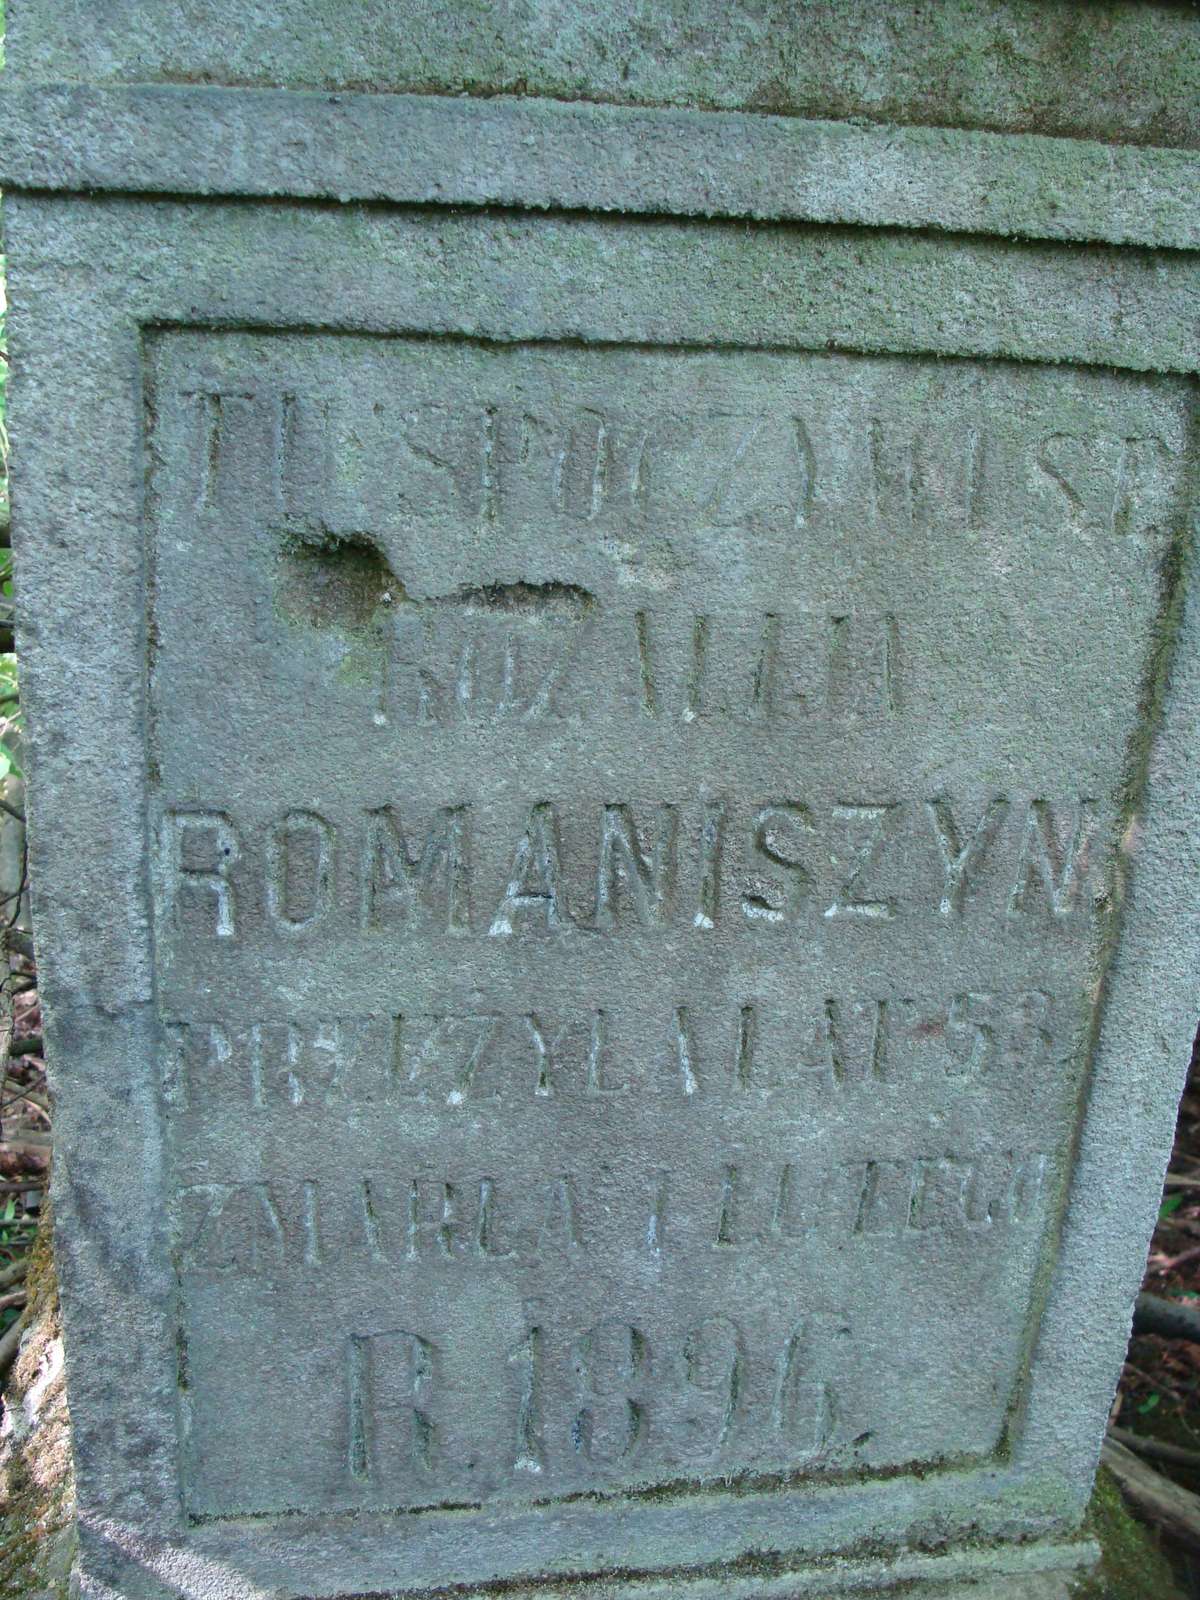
(421, 149)
(1120, 70)
(1043, 1573)
(613, 811)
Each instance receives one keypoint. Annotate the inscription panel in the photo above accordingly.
(631, 893)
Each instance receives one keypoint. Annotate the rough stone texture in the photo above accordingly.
(613, 810)
(1126, 71)
(546, 155)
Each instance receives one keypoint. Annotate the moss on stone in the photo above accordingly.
(37, 1488)
(1132, 1566)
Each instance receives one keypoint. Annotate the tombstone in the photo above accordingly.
(613, 673)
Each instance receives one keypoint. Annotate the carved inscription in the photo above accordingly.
(469, 1221)
(630, 916)
(335, 488)
(583, 1402)
(801, 1051)
(756, 864)
(483, 461)
(524, 654)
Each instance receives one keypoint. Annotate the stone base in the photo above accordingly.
(1065, 1571)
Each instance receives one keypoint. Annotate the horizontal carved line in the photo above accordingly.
(542, 154)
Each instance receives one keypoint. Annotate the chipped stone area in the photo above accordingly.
(37, 1488)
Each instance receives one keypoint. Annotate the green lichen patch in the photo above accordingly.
(1132, 1566)
(37, 1490)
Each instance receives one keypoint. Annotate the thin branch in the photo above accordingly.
(14, 1273)
(25, 1144)
(6, 1033)
(1166, 1318)
(1166, 1504)
(15, 1091)
(16, 910)
(1153, 1383)
(1174, 1455)
(10, 1343)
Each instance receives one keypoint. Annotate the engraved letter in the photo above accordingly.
(647, 877)
(713, 1377)
(777, 832)
(959, 859)
(182, 831)
(299, 838)
(806, 1411)
(537, 854)
(1043, 861)
(215, 410)
(397, 883)
(610, 1363)
(709, 897)
(389, 1379)
(864, 654)
(973, 1016)
(876, 819)
(527, 1358)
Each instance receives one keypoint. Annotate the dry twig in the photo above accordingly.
(1174, 1509)
(1167, 1318)
(10, 1343)
(1174, 1455)
(14, 1272)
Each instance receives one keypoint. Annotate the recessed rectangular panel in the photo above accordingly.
(636, 836)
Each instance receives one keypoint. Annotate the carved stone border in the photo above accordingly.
(551, 155)
(88, 278)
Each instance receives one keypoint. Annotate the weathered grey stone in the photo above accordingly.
(1119, 69)
(544, 154)
(613, 786)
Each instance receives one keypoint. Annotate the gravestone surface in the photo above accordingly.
(613, 677)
